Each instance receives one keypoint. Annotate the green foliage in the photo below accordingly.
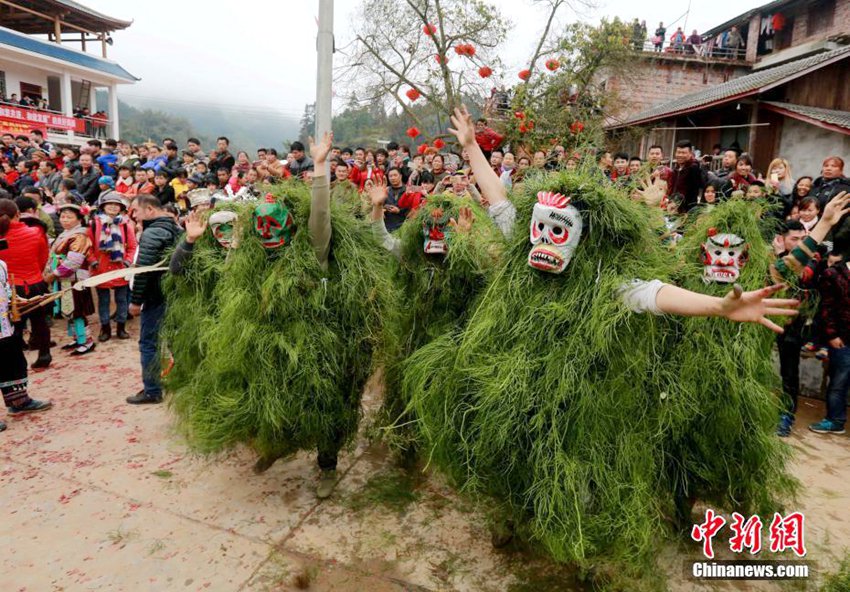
(438, 292)
(549, 398)
(141, 125)
(726, 451)
(283, 347)
(838, 581)
(394, 489)
(555, 101)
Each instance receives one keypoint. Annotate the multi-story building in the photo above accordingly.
(38, 63)
(785, 92)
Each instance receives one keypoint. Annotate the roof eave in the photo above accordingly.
(805, 118)
(716, 103)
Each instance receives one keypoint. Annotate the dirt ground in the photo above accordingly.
(101, 495)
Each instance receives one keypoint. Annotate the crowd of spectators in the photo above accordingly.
(729, 44)
(122, 192)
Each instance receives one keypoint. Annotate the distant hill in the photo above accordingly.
(247, 129)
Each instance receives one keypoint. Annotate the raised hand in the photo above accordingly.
(754, 306)
(464, 220)
(464, 128)
(836, 208)
(319, 150)
(196, 225)
(378, 192)
(651, 191)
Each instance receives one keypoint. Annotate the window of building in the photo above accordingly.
(821, 16)
(2, 84)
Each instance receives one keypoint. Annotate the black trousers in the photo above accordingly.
(37, 318)
(13, 371)
(789, 345)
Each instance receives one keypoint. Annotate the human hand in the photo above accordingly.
(195, 226)
(836, 208)
(135, 309)
(836, 343)
(392, 209)
(753, 306)
(464, 128)
(319, 150)
(464, 220)
(651, 192)
(377, 192)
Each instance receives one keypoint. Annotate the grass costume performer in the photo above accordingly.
(288, 343)
(549, 398)
(445, 253)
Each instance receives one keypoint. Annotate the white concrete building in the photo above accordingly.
(37, 62)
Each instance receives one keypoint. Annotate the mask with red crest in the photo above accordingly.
(436, 228)
(556, 227)
(723, 257)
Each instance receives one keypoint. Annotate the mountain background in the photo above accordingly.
(248, 129)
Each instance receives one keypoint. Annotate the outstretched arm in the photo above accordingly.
(320, 205)
(487, 179)
(377, 196)
(737, 305)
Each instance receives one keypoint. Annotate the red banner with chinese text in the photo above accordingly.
(24, 120)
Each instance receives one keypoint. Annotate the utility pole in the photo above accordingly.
(325, 49)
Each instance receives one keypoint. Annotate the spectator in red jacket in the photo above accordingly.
(25, 251)
(487, 138)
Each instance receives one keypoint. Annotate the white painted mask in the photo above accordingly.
(556, 227)
(723, 257)
(222, 226)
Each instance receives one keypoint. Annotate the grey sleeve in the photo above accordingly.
(320, 220)
(388, 241)
(640, 296)
(504, 216)
(181, 257)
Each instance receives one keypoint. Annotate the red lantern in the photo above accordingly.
(412, 94)
(522, 128)
(778, 21)
(439, 144)
(429, 29)
(519, 115)
(529, 125)
(485, 72)
(524, 74)
(422, 149)
(412, 132)
(470, 50)
(552, 65)
(441, 59)
(577, 127)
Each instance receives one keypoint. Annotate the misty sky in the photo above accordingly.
(258, 56)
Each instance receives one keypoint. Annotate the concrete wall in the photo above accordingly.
(805, 146)
(17, 73)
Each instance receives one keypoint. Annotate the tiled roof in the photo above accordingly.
(736, 88)
(830, 116)
(60, 52)
(76, 6)
(768, 8)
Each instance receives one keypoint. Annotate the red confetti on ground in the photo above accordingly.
(64, 499)
(134, 507)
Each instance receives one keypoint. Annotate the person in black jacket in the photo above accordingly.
(221, 158)
(173, 162)
(831, 182)
(86, 178)
(159, 235)
(163, 191)
(687, 179)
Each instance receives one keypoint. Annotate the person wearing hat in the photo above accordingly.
(69, 254)
(105, 183)
(113, 241)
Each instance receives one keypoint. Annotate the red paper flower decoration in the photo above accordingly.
(485, 72)
(519, 115)
(412, 132)
(577, 127)
(460, 49)
(470, 50)
(552, 65)
(529, 125)
(441, 59)
(429, 29)
(522, 128)
(413, 94)
(439, 144)
(525, 74)
(422, 149)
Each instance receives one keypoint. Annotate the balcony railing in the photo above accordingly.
(706, 50)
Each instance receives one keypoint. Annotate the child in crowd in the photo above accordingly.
(71, 250)
(124, 182)
(809, 213)
(755, 190)
(113, 241)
